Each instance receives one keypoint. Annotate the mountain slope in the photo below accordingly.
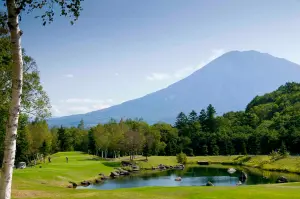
(228, 83)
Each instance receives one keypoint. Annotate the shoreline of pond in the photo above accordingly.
(256, 177)
(144, 172)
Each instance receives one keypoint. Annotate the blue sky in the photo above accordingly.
(124, 49)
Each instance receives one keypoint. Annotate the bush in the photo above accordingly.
(181, 158)
(275, 155)
(283, 150)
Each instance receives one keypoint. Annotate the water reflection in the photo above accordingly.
(196, 176)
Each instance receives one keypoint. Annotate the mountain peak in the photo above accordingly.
(228, 83)
(247, 53)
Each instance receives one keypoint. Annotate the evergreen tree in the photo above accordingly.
(45, 148)
(81, 125)
(192, 117)
(91, 142)
(210, 122)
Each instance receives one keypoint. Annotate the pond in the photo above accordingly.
(195, 176)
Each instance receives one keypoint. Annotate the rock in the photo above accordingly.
(243, 177)
(181, 166)
(231, 170)
(178, 179)
(97, 181)
(282, 179)
(209, 184)
(122, 172)
(21, 165)
(126, 163)
(114, 174)
(239, 183)
(125, 173)
(69, 186)
(135, 168)
(74, 185)
(104, 177)
(85, 183)
(202, 162)
(167, 167)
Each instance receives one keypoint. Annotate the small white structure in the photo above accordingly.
(21, 165)
(231, 170)
(178, 179)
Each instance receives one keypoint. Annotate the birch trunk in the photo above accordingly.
(14, 109)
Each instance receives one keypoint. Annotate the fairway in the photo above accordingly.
(49, 180)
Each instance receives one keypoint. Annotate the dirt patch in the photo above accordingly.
(32, 194)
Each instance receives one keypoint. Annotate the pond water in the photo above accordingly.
(195, 176)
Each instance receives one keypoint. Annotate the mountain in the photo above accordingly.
(228, 83)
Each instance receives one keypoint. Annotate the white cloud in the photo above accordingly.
(81, 100)
(79, 106)
(158, 76)
(69, 75)
(55, 110)
(117, 74)
(184, 72)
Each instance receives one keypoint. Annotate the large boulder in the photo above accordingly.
(209, 184)
(282, 179)
(126, 163)
(122, 172)
(103, 177)
(85, 183)
(73, 184)
(161, 167)
(243, 177)
(114, 174)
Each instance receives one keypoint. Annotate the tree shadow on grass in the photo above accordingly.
(112, 164)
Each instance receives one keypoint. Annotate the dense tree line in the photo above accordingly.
(270, 122)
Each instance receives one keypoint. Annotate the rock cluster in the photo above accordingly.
(165, 167)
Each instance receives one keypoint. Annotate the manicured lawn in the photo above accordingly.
(49, 180)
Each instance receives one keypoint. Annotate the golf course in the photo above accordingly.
(50, 180)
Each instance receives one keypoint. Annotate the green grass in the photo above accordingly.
(51, 179)
(58, 172)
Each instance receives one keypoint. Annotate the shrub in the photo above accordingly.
(275, 155)
(283, 150)
(181, 158)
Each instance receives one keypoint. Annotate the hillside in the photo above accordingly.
(228, 82)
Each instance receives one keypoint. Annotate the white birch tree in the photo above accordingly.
(12, 17)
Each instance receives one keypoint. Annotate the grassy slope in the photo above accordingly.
(50, 180)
